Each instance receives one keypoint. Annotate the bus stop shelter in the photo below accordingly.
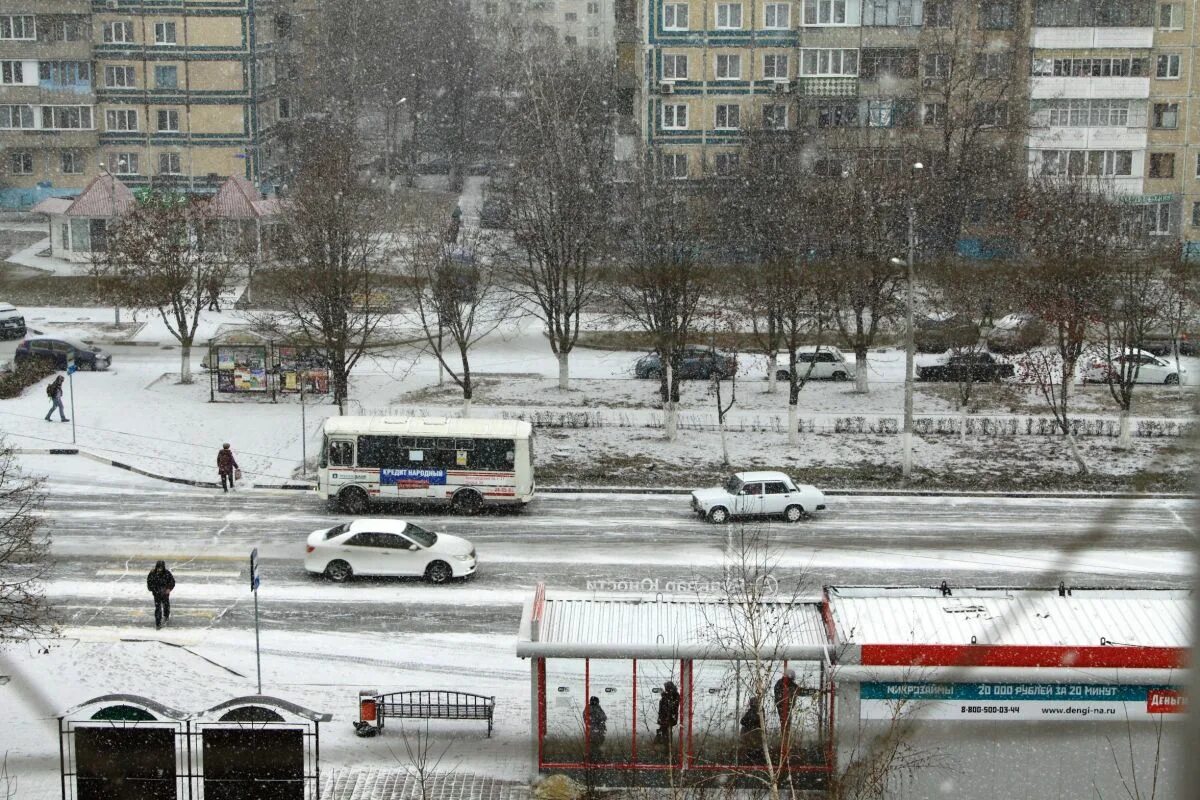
(623, 649)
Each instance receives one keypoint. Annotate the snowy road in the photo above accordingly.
(107, 535)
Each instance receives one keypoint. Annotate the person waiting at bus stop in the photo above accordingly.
(597, 728)
(751, 730)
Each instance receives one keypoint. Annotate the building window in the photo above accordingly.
(675, 66)
(729, 66)
(1162, 165)
(729, 15)
(996, 15)
(775, 116)
(777, 15)
(593, 32)
(1198, 165)
(937, 66)
(675, 17)
(1080, 113)
(775, 65)
(938, 13)
(1166, 115)
(285, 108)
(1093, 13)
(490, 9)
(166, 77)
(990, 114)
(65, 73)
(168, 164)
(933, 114)
(593, 8)
(1170, 16)
(164, 33)
(12, 72)
(824, 12)
(675, 166)
(571, 16)
(1090, 67)
(728, 117)
(893, 62)
(1168, 66)
(118, 32)
(16, 117)
(675, 116)
(121, 119)
(67, 118)
(993, 65)
(1158, 219)
(1195, 215)
(1085, 163)
(891, 13)
(726, 164)
(123, 163)
(828, 62)
(20, 162)
(18, 27)
(119, 77)
(832, 114)
(168, 120)
(71, 162)
(570, 41)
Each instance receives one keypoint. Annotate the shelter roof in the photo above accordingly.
(429, 426)
(238, 198)
(105, 196)
(53, 205)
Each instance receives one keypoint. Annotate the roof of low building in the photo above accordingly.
(105, 196)
(239, 198)
(429, 426)
(53, 205)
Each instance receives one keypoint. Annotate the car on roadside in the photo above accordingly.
(696, 362)
(1150, 369)
(1016, 333)
(937, 333)
(12, 322)
(758, 494)
(387, 548)
(828, 364)
(967, 367)
(1163, 343)
(58, 353)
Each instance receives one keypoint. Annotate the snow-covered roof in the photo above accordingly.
(55, 206)
(239, 198)
(747, 477)
(1016, 627)
(104, 196)
(429, 426)
(576, 625)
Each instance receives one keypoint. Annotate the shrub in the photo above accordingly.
(22, 377)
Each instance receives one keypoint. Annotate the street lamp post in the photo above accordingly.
(910, 346)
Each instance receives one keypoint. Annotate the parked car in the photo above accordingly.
(493, 213)
(12, 323)
(1150, 368)
(434, 166)
(387, 547)
(975, 367)
(1161, 343)
(696, 363)
(59, 351)
(828, 364)
(757, 494)
(1016, 333)
(938, 333)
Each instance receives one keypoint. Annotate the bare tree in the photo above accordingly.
(556, 187)
(24, 555)
(660, 279)
(166, 254)
(1181, 303)
(455, 297)
(333, 242)
(422, 762)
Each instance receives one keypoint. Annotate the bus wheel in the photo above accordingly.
(354, 500)
(467, 501)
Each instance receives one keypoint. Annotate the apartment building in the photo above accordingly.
(156, 93)
(1106, 86)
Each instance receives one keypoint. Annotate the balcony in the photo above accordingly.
(1118, 88)
(37, 139)
(828, 87)
(1091, 38)
(45, 51)
(1081, 138)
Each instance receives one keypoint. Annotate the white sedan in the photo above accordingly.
(1150, 369)
(388, 547)
(758, 494)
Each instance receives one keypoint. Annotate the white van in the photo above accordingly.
(828, 364)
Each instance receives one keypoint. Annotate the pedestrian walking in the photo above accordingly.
(160, 582)
(668, 713)
(597, 725)
(751, 728)
(54, 392)
(213, 290)
(227, 467)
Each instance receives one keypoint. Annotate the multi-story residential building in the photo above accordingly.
(158, 94)
(1107, 86)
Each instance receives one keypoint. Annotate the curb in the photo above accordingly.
(667, 490)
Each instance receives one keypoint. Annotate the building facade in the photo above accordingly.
(1100, 88)
(159, 94)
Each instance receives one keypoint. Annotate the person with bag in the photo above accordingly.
(160, 582)
(227, 467)
(54, 392)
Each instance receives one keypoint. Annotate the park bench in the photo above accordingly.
(434, 704)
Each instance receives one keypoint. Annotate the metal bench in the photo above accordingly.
(435, 704)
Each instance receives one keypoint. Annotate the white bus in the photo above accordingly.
(467, 463)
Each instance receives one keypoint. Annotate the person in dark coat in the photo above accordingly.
(786, 692)
(54, 392)
(160, 582)
(751, 727)
(597, 722)
(226, 464)
(668, 713)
